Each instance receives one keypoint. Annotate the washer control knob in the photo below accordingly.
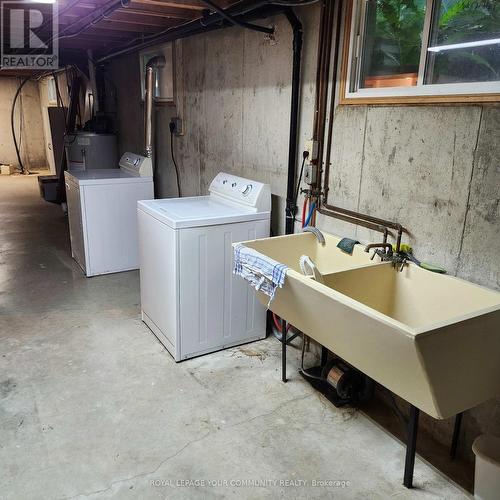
(246, 190)
(233, 184)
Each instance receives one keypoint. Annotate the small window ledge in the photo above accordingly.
(428, 94)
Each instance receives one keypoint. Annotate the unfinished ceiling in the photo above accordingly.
(107, 25)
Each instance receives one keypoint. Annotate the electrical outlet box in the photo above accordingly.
(310, 174)
(312, 149)
(176, 125)
(7, 169)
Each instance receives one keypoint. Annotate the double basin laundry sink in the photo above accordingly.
(433, 340)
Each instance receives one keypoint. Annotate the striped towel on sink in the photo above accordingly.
(262, 272)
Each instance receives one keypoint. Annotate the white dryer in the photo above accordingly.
(102, 212)
(190, 298)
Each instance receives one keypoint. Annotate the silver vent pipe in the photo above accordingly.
(153, 64)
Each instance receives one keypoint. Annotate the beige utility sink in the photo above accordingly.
(433, 340)
(327, 257)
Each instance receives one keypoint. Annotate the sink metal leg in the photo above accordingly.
(411, 446)
(324, 356)
(456, 434)
(283, 350)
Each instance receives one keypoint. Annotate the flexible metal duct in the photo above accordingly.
(152, 65)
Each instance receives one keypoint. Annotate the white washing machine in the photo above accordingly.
(190, 298)
(102, 212)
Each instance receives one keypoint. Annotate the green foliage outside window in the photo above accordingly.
(394, 32)
(393, 39)
(465, 21)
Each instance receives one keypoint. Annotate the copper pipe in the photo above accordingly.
(324, 64)
(323, 90)
(338, 22)
(381, 224)
(324, 54)
(344, 214)
(354, 220)
(318, 68)
(370, 218)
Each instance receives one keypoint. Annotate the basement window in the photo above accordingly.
(422, 50)
(164, 77)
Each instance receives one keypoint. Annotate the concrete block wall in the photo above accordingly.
(30, 135)
(435, 169)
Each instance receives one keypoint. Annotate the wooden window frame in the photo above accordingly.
(428, 94)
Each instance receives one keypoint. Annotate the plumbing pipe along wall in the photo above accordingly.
(294, 118)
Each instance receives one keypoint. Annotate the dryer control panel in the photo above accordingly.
(242, 191)
(137, 164)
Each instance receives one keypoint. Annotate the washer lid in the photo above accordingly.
(104, 176)
(198, 211)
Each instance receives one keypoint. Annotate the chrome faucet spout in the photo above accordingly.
(316, 232)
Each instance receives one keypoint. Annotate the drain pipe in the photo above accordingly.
(294, 119)
(237, 22)
(153, 64)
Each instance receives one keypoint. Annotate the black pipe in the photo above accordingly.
(104, 11)
(214, 21)
(294, 119)
(60, 13)
(90, 19)
(247, 10)
(236, 22)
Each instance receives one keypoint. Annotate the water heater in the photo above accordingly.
(89, 151)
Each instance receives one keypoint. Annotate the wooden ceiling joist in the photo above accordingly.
(108, 24)
(107, 34)
(178, 4)
(121, 17)
(154, 11)
(133, 10)
(122, 25)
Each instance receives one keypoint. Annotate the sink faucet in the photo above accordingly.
(316, 232)
(384, 255)
(398, 260)
(387, 246)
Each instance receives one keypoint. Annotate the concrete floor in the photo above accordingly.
(92, 406)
